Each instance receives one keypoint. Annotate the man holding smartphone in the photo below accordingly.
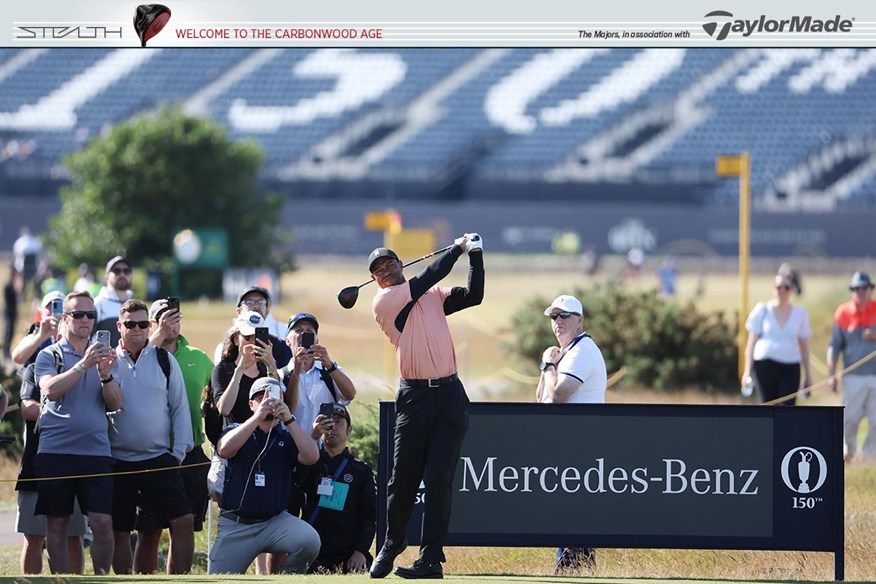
(431, 408)
(312, 378)
(41, 334)
(165, 327)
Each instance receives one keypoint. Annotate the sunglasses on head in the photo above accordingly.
(118, 271)
(80, 314)
(564, 315)
(129, 324)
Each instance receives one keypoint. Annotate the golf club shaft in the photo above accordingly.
(428, 255)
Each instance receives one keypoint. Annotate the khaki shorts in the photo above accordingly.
(28, 523)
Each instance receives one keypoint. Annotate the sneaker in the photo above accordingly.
(421, 569)
(382, 565)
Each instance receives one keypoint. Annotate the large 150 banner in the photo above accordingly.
(648, 476)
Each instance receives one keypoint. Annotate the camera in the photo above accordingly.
(103, 337)
(307, 340)
(274, 392)
(58, 306)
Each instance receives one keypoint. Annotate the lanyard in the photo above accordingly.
(334, 478)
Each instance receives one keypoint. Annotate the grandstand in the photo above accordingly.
(596, 126)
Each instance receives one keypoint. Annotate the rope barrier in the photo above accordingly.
(107, 474)
(826, 380)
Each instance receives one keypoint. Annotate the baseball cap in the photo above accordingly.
(262, 384)
(341, 410)
(860, 280)
(157, 308)
(53, 295)
(565, 303)
(247, 321)
(112, 263)
(258, 289)
(380, 252)
(295, 319)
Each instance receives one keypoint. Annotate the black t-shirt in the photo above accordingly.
(221, 377)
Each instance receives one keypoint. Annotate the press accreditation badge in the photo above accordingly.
(337, 499)
(260, 479)
(325, 487)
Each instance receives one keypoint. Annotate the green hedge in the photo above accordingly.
(663, 345)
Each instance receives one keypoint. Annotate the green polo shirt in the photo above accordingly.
(196, 369)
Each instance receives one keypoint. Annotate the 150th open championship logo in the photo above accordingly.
(804, 471)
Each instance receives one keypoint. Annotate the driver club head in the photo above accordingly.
(348, 296)
(149, 20)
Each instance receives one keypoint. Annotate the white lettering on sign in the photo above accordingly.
(674, 478)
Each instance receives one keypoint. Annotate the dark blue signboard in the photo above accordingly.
(652, 476)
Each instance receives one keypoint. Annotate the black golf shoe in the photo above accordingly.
(421, 569)
(382, 565)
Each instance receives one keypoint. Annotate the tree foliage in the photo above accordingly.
(153, 175)
(662, 344)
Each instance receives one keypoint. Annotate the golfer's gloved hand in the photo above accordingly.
(473, 241)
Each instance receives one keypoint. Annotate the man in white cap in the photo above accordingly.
(119, 279)
(41, 334)
(573, 372)
(262, 452)
(854, 336)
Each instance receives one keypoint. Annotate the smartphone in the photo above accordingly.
(274, 392)
(307, 339)
(58, 306)
(173, 302)
(103, 337)
(327, 410)
(261, 334)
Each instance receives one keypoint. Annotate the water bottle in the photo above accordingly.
(747, 387)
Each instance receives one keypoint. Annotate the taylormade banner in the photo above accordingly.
(735, 477)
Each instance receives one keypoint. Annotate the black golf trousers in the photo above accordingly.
(430, 424)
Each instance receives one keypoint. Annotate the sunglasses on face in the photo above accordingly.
(130, 324)
(118, 271)
(247, 337)
(80, 314)
(783, 287)
(860, 288)
(260, 303)
(564, 315)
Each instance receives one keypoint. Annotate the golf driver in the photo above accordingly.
(349, 295)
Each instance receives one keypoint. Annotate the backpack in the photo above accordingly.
(163, 362)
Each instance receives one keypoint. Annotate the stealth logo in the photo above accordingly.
(710, 27)
(805, 24)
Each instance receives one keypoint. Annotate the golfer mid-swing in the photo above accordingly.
(431, 408)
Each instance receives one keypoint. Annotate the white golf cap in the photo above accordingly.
(48, 298)
(565, 303)
(247, 322)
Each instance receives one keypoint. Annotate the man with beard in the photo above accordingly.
(119, 277)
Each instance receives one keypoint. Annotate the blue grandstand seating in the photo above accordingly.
(779, 124)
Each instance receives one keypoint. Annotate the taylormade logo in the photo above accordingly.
(804, 24)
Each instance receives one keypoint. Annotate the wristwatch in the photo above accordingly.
(290, 420)
(107, 380)
(333, 368)
(544, 365)
(80, 368)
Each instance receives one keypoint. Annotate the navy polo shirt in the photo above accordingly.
(276, 464)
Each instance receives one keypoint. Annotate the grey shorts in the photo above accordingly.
(28, 523)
